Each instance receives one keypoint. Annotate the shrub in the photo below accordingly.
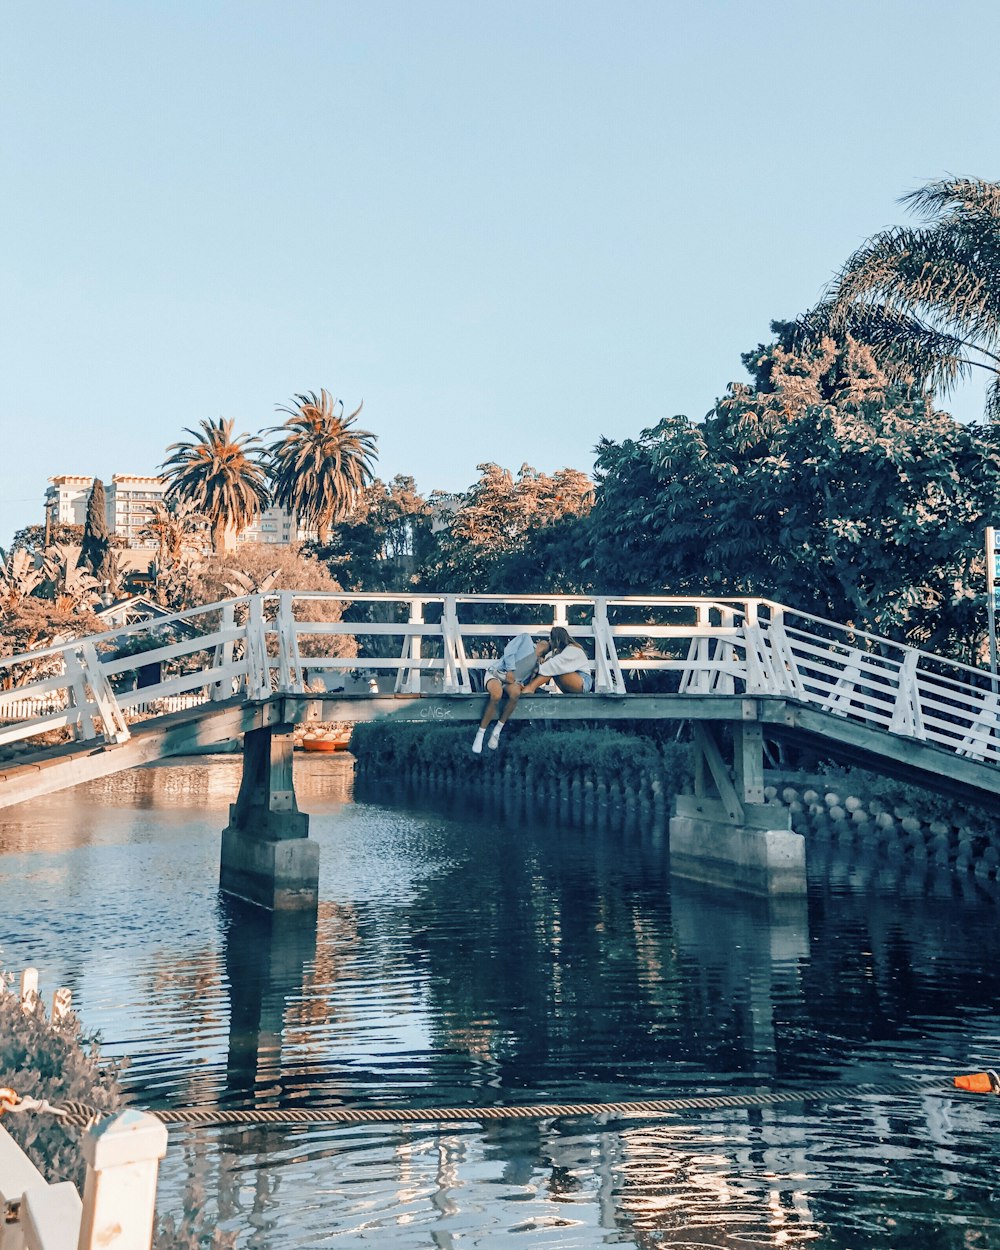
(548, 751)
(55, 1060)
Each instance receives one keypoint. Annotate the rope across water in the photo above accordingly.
(79, 1113)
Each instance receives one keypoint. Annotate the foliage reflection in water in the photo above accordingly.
(462, 958)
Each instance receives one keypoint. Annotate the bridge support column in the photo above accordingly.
(732, 838)
(267, 856)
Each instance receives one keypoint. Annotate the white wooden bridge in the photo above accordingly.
(744, 672)
(278, 658)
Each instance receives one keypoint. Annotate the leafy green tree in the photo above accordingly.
(821, 484)
(180, 535)
(927, 298)
(492, 538)
(264, 567)
(380, 545)
(219, 475)
(321, 463)
(35, 538)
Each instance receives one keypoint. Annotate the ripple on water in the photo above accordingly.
(459, 959)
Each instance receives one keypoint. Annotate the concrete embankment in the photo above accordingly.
(904, 826)
(586, 776)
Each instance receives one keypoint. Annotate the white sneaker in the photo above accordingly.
(494, 741)
(477, 743)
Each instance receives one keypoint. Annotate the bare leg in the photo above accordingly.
(513, 694)
(570, 683)
(494, 689)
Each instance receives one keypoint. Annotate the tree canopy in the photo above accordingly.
(221, 475)
(822, 484)
(493, 536)
(926, 299)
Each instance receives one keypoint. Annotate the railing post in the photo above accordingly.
(123, 1156)
(841, 695)
(408, 676)
(456, 668)
(907, 717)
(258, 671)
(289, 663)
(725, 653)
(50, 1217)
(77, 690)
(224, 653)
(608, 673)
(698, 677)
(115, 728)
(784, 667)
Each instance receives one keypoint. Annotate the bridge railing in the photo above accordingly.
(255, 645)
(863, 677)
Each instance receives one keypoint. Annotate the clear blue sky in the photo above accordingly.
(510, 228)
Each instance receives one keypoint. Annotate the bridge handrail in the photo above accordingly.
(878, 640)
(739, 645)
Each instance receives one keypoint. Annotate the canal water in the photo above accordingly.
(467, 957)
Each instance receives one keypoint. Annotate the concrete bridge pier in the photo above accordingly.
(267, 856)
(731, 837)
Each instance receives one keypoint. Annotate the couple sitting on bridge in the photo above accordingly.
(525, 667)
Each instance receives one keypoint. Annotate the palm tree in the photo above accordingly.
(321, 463)
(179, 534)
(926, 299)
(219, 475)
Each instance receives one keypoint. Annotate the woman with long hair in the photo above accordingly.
(565, 663)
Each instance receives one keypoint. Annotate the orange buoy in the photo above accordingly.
(980, 1082)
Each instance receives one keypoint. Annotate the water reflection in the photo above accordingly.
(462, 958)
(266, 956)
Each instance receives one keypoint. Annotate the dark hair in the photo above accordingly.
(560, 638)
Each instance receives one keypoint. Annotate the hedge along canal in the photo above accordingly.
(588, 775)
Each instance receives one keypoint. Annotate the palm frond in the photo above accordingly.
(991, 404)
(968, 195)
(934, 271)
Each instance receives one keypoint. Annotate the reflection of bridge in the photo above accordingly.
(742, 670)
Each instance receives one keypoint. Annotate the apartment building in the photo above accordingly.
(130, 501)
(276, 526)
(66, 499)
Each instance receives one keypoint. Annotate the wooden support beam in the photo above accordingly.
(748, 761)
(708, 748)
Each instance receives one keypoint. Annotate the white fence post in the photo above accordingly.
(123, 1156)
(224, 655)
(115, 728)
(258, 670)
(29, 989)
(289, 662)
(62, 1004)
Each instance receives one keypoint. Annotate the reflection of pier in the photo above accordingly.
(266, 959)
(746, 949)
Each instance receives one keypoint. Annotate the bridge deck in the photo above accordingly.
(55, 768)
(857, 697)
